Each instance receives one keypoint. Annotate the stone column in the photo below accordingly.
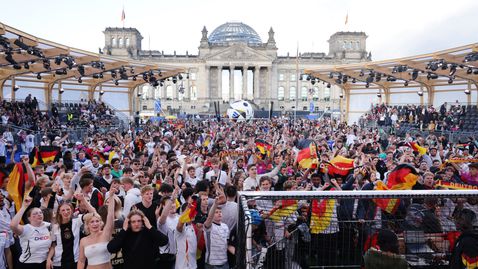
(256, 83)
(267, 91)
(208, 84)
(219, 83)
(231, 83)
(244, 83)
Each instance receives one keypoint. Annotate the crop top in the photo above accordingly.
(97, 253)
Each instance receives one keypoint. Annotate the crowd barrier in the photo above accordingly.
(334, 229)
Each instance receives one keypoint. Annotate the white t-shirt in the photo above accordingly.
(250, 184)
(216, 243)
(133, 196)
(150, 145)
(192, 181)
(186, 256)
(230, 214)
(222, 177)
(4, 244)
(30, 141)
(35, 243)
(3, 150)
(169, 228)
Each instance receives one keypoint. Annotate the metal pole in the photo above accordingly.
(297, 82)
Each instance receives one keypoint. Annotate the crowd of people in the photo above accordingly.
(448, 117)
(27, 115)
(164, 195)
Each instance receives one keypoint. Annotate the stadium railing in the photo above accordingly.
(338, 235)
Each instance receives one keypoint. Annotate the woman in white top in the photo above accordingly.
(65, 249)
(34, 237)
(93, 247)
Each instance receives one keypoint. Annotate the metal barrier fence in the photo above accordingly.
(336, 229)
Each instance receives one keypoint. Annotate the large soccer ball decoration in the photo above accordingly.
(240, 110)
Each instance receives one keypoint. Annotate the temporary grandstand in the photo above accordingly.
(429, 79)
(51, 71)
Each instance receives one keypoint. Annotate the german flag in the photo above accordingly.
(44, 154)
(264, 148)
(287, 208)
(16, 185)
(189, 214)
(340, 166)
(50, 153)
(321, 216)
(100, 155)
(34, 157)
(403, 177)
(418, 148)
(388, 205)
(307, 158)
(469, 262)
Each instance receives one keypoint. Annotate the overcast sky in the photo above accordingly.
(395, 28)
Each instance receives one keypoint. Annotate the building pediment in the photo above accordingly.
(238, 52)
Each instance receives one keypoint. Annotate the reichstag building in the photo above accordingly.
(234, 63)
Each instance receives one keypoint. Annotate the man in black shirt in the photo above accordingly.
(147, 206)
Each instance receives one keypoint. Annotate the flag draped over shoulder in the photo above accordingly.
(307, 157)
(264, 148)
(288, 207)
(44, 154)
(417, 148)
(189, 214)
(321, 217)
(16, 185)
(403, 177)
(340, 166)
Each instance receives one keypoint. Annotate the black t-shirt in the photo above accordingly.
(67, 241)
(148, 212)
(117, 259)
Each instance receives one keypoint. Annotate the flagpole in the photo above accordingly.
(297, 82)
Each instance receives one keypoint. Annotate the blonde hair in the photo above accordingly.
(88, 217)
(70, 175)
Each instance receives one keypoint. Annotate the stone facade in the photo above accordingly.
(264, 75)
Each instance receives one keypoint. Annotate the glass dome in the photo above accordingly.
(234, 32)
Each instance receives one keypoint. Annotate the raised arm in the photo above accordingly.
(164, 215)
(15, 225)
(31, 176)
(220, 199)
(12, 157)
(210, 216)
(110, 219)
(83, 202)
